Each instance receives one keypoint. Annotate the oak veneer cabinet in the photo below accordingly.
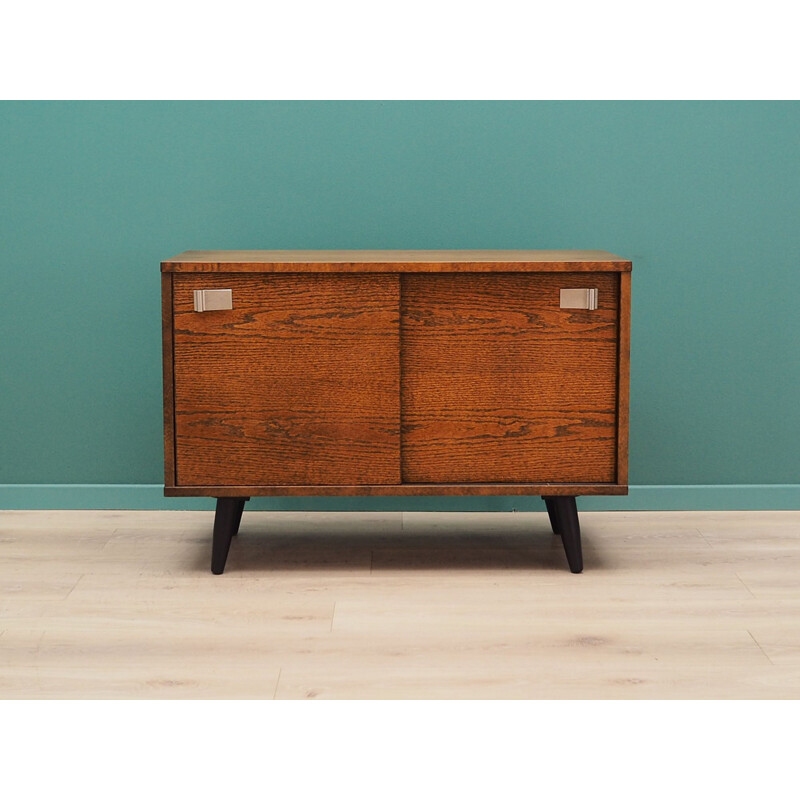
(455, 372)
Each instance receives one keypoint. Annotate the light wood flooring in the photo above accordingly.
(121, 604)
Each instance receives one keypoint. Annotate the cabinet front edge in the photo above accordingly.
(401, 490)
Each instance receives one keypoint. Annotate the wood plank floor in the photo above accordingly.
(121, 604)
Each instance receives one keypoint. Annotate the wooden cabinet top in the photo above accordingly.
(395, 261)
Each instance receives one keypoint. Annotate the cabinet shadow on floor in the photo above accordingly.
(337, 547)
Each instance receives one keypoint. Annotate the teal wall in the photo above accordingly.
(704, 197)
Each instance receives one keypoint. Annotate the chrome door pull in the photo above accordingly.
(579, 298)
(213, 299)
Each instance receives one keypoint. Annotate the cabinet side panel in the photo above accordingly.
(168, 379)
(500, 384)
(623, 387)
(297, 384)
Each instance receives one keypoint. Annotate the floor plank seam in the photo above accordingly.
(745, 585)
(73, 588)
(704, 538)
(277, 681)
(761, 649)
(333, 614)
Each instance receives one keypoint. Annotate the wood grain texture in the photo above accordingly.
(168, 379)
(395, 261)
(298, 384)
(623, 376)
(501, 385)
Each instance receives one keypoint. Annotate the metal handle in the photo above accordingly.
(213, 299)
(579, 298)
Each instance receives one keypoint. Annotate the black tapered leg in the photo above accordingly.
(239, 514)
(551, 512)
(564, 518)
(226, 525)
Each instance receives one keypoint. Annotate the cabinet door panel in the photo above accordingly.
(499, 384)
(297, 384)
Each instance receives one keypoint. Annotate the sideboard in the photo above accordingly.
(396, 372)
